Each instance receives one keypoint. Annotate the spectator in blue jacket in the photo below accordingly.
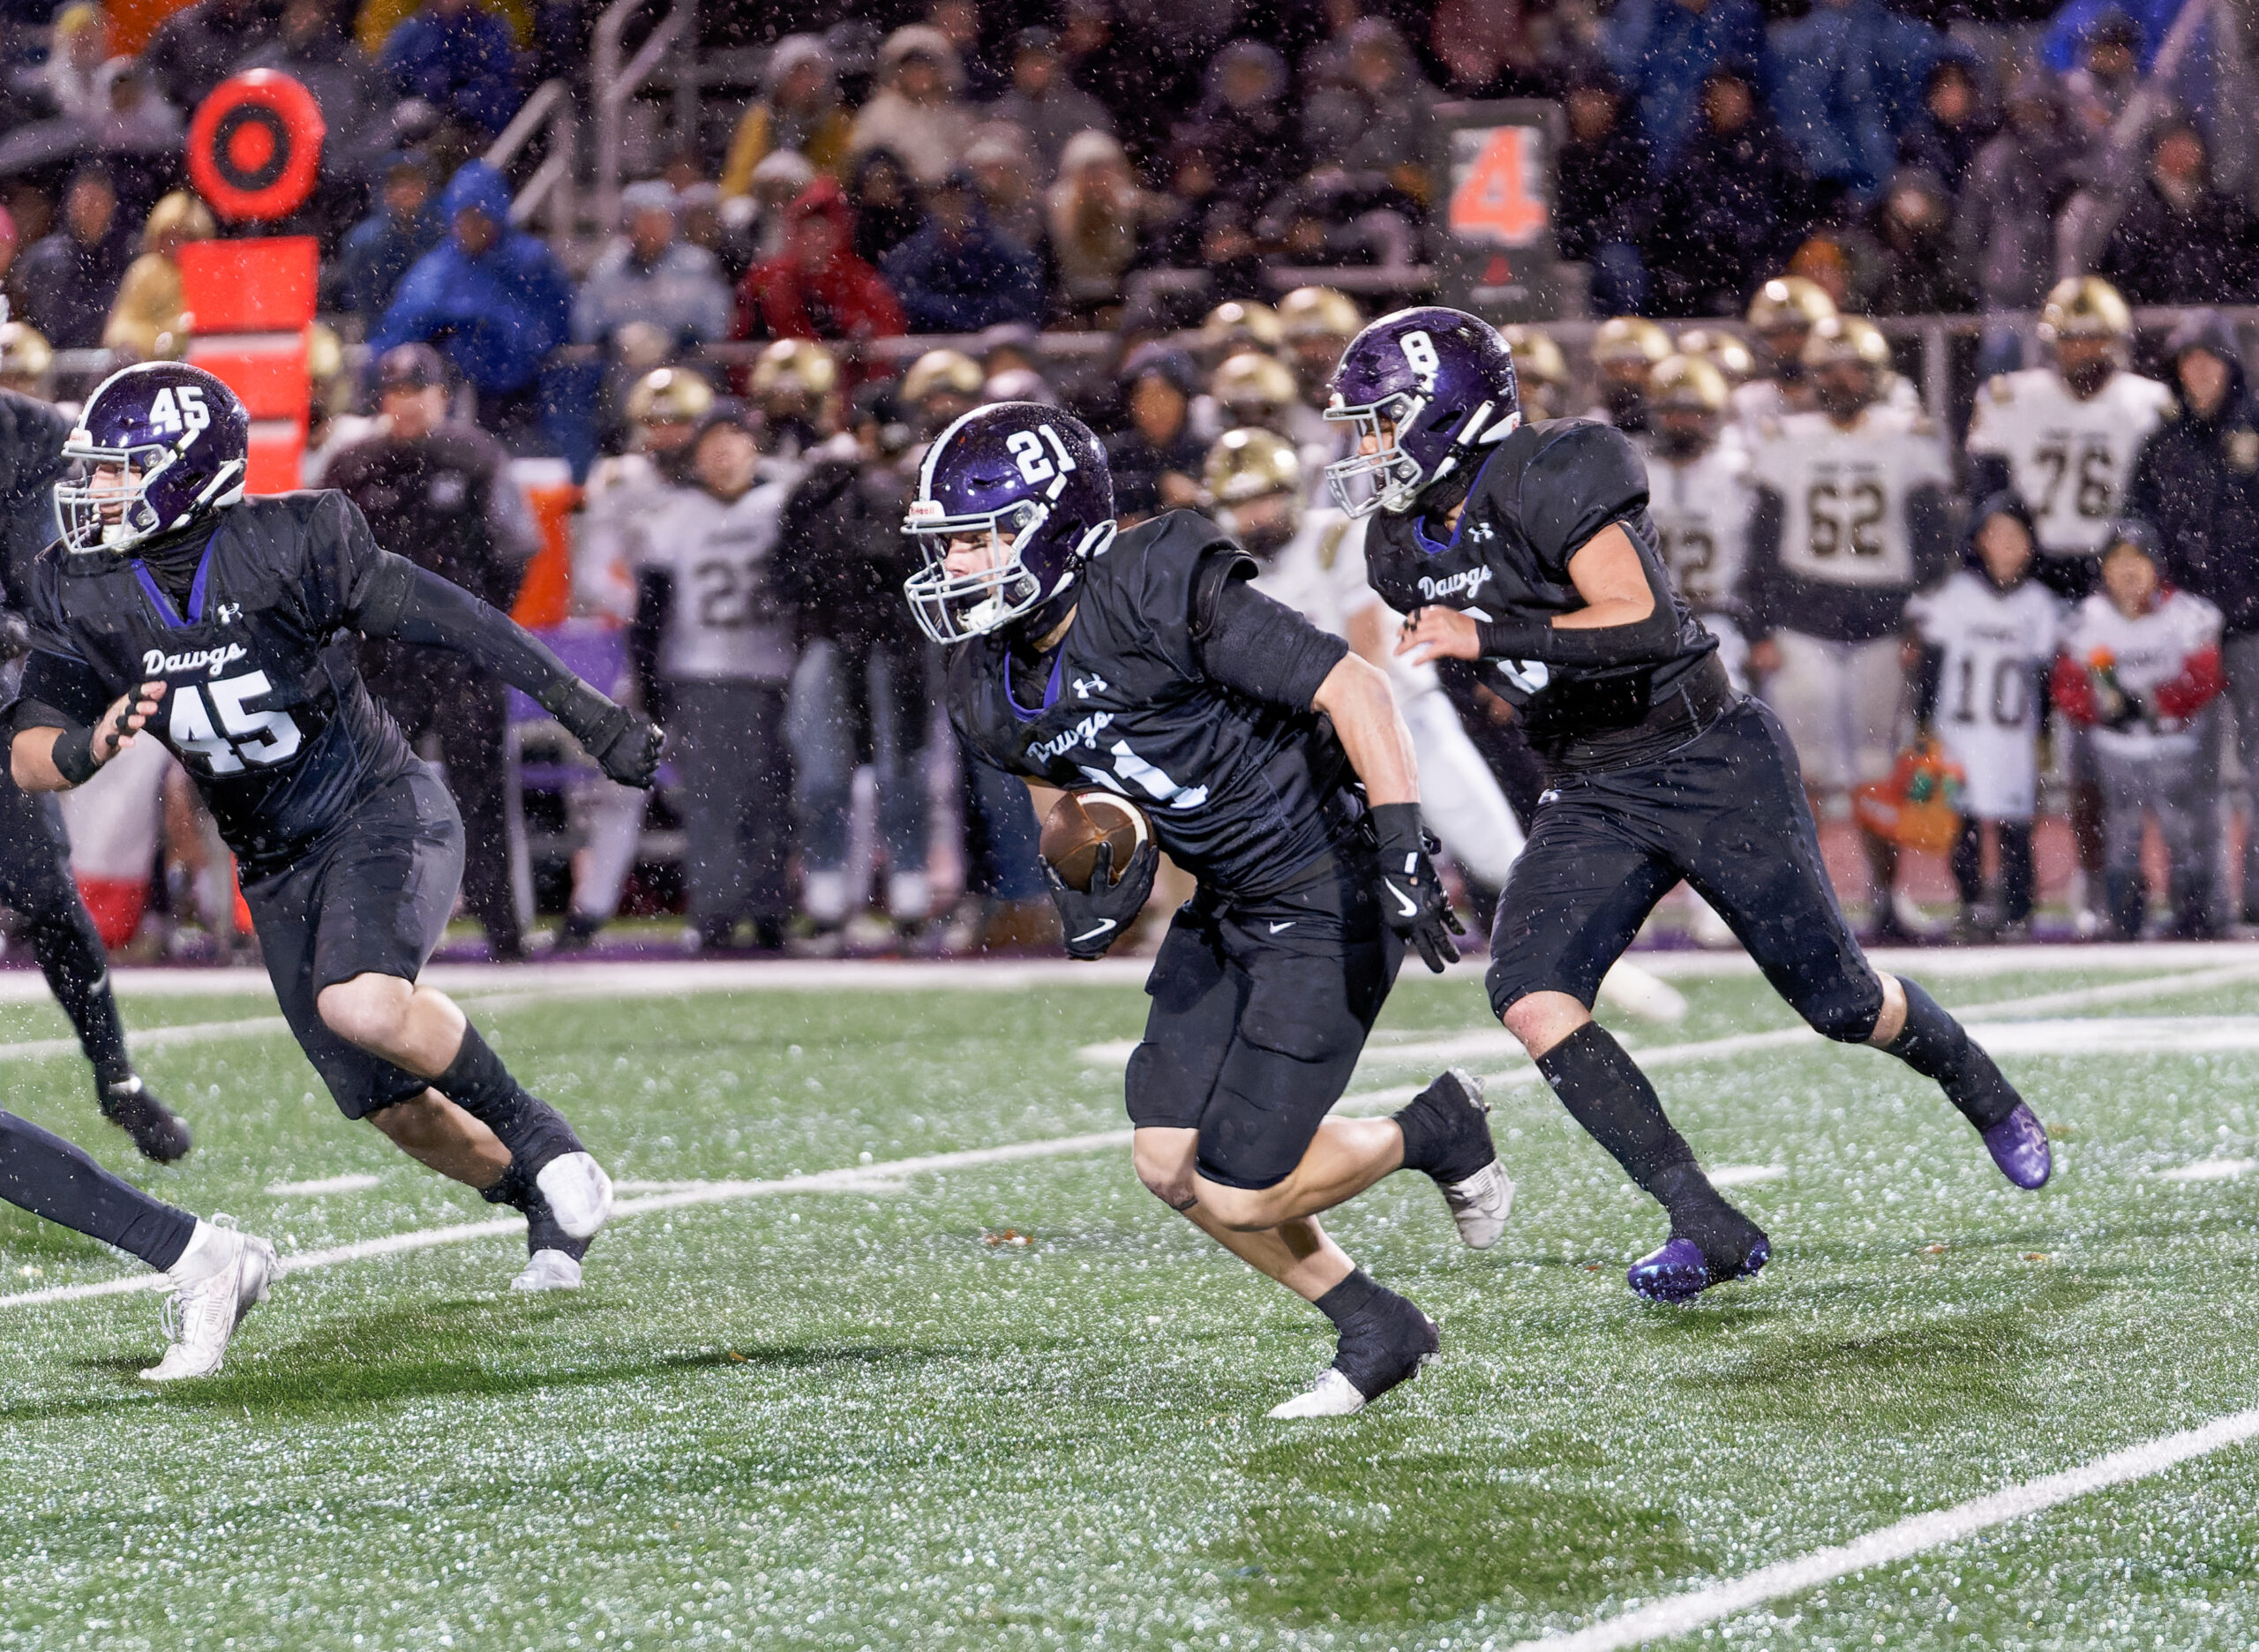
(1665, 50)
(458, 58)
(1848, 83)
(960, 274)
(384, 247)
(494, 300)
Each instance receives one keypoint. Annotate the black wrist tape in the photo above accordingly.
(74, 756)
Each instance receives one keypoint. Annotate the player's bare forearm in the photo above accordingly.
(56, 760)
(1608, 574)
(30, 760)
(1356, 695)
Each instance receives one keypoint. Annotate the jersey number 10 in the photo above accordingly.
(241, 736)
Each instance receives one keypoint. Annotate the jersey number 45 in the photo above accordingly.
(238, 736)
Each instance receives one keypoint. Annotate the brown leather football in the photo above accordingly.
(1079, 822)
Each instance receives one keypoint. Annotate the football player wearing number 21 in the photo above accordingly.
(1276, 769)
(227, 628)
(1527, 548)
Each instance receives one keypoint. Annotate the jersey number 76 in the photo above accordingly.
(240, 736)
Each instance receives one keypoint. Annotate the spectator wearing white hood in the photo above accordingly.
(916, 112)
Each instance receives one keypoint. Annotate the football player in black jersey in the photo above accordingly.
(229, 627)
(35, 881)
(1527, 548)
(1144, 663)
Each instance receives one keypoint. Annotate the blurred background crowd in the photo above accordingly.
(638, 316)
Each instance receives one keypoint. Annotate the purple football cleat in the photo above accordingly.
(1678, 1272)
(2018, 1145)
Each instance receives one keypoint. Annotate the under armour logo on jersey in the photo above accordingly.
(1482, 530)
(229, 612)
(1086, 687)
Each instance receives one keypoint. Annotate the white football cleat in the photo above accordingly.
(579, 1193)
(1635, 992)
(548, 1270)
(1332, 1394)
(1480, 1204)
(203, 1312)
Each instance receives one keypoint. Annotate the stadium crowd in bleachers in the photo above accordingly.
(1158, 176)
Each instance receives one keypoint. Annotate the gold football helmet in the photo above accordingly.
(1686, 384)
(792, 365)
(1319, 312)
(1722, 350)
(1253, 389)
(1240, 324)
(669, 396)
(1790, 303)
(2085, 307)
(1842, 339)
(942, 372)
(1249, 463)
(1629, 341)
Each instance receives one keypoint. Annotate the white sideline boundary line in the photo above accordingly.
(1916, 1535)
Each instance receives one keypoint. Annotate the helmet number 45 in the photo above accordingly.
(180, 407)
(261, 738)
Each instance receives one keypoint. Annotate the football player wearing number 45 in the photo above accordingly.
(227, 628)
(1146, 662)
(1528, 548)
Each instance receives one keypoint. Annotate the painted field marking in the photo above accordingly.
(354, 1182)
(1916, 1535)
(884, 1177)
(1745, 1175)
(2210, 1170)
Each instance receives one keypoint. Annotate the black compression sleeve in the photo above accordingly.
(409, 604)
(1651, 638)
(1259, 647)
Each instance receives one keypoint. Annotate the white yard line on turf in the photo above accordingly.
(1917, 1534)
(2210, 1170)
(885, 1177)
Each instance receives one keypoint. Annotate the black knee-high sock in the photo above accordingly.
(1968, 862)
(70, 955)
(1606, 1093)
(533, 1132)
(2015, 870)
(49, 1177)
(1934, 1045)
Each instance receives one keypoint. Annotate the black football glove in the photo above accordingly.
(1411, 898)
(625, 743)
(1096, 918)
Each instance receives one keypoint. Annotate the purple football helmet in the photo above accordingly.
(1431, 388)
(1035, 482)
(181, 440)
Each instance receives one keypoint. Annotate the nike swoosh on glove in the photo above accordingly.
(1094, 919)
(1411, 898)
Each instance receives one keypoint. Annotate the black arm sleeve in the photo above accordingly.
(1761, 570)
(408, 605)
(1930, 534)
(1988, 474)
(57, 691)
(1652, 637)
(1256, 646)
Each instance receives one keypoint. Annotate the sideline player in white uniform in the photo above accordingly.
(2065, 437)
(1850, 521)
(1992, 631)
(1313, 561)
(1624, 353)
(1700, 498)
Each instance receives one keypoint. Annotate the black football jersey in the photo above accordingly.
(265, 705)
(1244, 793)
(1547, 489)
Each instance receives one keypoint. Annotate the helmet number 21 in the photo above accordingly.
(1027, 447)
(263, 738)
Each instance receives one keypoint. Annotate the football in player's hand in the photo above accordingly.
(1081, 820)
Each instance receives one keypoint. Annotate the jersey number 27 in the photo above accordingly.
(240, 736)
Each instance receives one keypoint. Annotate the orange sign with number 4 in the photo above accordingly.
(1493, 200)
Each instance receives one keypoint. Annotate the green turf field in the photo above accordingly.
(867, 1415)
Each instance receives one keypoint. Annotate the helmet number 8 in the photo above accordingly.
(1419, 353)
(1027, 449)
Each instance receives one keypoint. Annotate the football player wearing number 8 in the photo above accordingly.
(1852, 520)
(227, 628)
(1144, 661)
(1528, 548)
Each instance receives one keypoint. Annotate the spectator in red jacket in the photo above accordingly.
(817, 286)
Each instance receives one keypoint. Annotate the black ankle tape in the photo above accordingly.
(1937, 1046)
(1347, 1299)
(533, 1132)
(1606, 1093)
